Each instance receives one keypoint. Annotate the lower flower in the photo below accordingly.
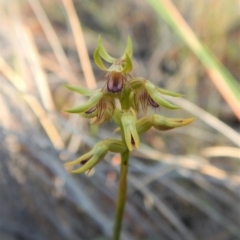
(97, 154)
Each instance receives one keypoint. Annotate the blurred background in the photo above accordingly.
(183, 184)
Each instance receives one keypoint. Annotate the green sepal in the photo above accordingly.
(103, 53)
(115, 68)
(117, 114)
(163, 124)
(144, 124)
(128, 125)
(98, 60)
(129, 48)
(169, 93)
(88, 105)
(153, 92)
(80, 90)
(89, 115)
(116, 146)
(93, 157)
(127, 65)
(137, 82)
(84, 157)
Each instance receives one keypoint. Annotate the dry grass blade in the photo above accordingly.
(198, 164)
(50, 34)
(12, 76)
(221, 151)
(202, 205)
(30, 50)
(45, 120)
(217, 193)
(223, 80)
(208, 118)
(54, 67)
(33, 103)
(163, 209)
(80, 44)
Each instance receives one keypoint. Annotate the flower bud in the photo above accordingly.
(164, 124)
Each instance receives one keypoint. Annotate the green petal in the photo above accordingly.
(129, 48)
(103, 53)
(98, 60)
(88, 105)
(127, 65)
(83, 91)
(169, 93)
(152, 91)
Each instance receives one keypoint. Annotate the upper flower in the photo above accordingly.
(120, 67)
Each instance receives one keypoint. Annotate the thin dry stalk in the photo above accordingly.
(44, 119)
(80, 44)
(50, 34)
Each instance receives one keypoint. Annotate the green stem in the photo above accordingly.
(122, 193)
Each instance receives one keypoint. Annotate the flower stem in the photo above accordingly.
(122, 193)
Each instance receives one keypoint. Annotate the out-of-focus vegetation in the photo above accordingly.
(183, 184)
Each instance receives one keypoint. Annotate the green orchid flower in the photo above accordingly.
(161, 123)
(149, 95)
(99, 107)
(97, 154)
(117, 72)
(127, 122)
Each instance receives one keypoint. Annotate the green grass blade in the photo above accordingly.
(223, 80)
